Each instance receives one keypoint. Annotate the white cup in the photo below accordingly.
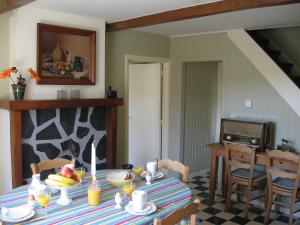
(139, 199)
(152, 167)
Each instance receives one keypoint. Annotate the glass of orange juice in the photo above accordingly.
(128, 188)
(94, 193)
(138, 170)
(80, 172)
(43, 199)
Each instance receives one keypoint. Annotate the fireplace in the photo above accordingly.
(46, 129)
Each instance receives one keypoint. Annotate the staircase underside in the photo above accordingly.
(275, 54)
(273, 74)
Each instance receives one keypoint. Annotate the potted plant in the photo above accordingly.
(18, 81)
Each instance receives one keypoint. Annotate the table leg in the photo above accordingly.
(214, 161)
(224, 179)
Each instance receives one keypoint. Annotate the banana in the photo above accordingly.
(62, 179)
(56, 183)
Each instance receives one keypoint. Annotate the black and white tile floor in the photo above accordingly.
(215, 214)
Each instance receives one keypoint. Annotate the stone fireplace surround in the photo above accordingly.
(46, 129)
(66, 133)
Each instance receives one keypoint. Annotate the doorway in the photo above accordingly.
(146, 108)
(200, 113)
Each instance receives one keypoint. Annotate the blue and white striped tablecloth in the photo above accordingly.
(168, 194)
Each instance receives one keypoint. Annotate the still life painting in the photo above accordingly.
(66, 55)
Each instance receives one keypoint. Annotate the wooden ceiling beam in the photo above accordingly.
(7, 5)
(207, 9)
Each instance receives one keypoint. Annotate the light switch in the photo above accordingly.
(248, 103)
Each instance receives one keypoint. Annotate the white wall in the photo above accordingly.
(18, 48)
(4, 116)
(23, 43)
(4, 52)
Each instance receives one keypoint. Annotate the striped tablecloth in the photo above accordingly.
(168, 194)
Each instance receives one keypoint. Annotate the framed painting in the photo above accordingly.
(65, 55)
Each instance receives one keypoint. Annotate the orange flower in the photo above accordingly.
(6, 73)
(33, 74)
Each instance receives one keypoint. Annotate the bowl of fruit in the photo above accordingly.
(118, 179)
(63, 180)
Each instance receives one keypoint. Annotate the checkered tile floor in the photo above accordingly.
(215, 214)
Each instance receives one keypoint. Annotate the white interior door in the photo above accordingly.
(144, 110)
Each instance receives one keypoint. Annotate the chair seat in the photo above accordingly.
(244, 173)
(285, 183)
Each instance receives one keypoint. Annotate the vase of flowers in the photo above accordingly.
(18, 81)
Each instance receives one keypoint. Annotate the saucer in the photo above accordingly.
(157, 176)
(17, 214)
(150, 208)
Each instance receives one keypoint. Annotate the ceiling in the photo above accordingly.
(269, 17)
(117, 10)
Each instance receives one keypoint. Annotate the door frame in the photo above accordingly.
(220, 95)
(129, 59)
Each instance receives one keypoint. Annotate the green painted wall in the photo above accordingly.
(241, 81)
(119, 44)
(288, 40)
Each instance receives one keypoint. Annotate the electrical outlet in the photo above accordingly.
(248, 103)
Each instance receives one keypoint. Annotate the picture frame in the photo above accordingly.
(66, 55)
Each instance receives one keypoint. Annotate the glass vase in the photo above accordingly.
(19, 91)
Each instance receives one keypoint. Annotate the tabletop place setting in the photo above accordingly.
(135, 193)
(135, 199)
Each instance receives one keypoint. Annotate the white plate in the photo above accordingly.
(8, 219)
(158, 175)
(150, 208)
(17, 212)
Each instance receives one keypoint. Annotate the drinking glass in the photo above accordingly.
(80, 172)
(62, 94)
(94, 193)
(75, 94)
(128, 188)
(138, 170)
(43, 199)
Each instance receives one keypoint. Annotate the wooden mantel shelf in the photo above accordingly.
(16, 107)
(49, 103)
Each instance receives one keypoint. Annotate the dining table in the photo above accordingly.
(167, 193)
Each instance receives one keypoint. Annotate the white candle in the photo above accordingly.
(93, 161)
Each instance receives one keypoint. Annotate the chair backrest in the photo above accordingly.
(50, 164)
(275, 160)
(176, 166)
(239, 156)
(175, 217)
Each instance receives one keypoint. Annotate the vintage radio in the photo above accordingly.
(253, 134)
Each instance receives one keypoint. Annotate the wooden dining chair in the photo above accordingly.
(175, 166)
(282, 182)
(175, 217)
(240, 170)
(50, 164)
